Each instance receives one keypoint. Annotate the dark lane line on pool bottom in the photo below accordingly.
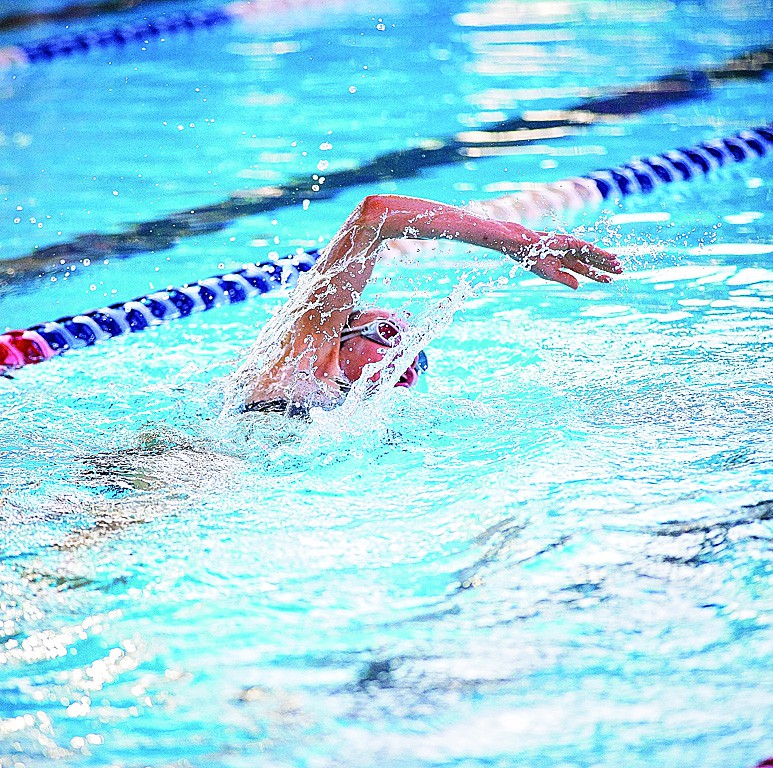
(639, 177)
(164, 233)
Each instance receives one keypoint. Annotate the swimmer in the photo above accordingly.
(326, 343)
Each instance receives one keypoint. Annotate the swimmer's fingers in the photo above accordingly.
(559, 270)
(581, 268)
(571, 247)
(600, 259)
(552, 268)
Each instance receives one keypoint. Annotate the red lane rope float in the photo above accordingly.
(639, 176)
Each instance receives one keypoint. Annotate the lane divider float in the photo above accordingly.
(46, 340)
(61, 46)
(639, 176)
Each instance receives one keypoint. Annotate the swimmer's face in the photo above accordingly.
(358, 350)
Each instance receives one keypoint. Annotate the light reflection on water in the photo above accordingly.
(555, 553)
(476, 552)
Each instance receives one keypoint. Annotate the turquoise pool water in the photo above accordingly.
(555, 553)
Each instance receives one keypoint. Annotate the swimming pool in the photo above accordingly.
(555, 553)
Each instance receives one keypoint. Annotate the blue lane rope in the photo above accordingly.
(59, 46)
(639, 176)
(642, 176)
(70, 11)
(65, 45)
(161, 306)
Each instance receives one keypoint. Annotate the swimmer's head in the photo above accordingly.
(367, 337)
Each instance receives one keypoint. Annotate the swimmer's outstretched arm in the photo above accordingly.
(386, 217)
(346, 265)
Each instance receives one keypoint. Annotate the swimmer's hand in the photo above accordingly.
(555, 256)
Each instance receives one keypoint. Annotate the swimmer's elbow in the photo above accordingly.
(387, 214)
(381, 209)
(374, 209)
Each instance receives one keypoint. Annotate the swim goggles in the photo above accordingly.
(382, 331)
(387, 333)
